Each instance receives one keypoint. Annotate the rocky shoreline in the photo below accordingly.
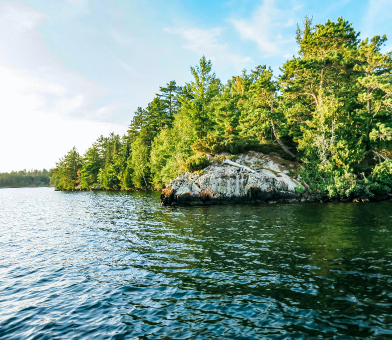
(253, 177)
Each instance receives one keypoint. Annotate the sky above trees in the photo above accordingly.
(73, 70)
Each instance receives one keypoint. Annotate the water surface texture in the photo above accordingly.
(107, 265)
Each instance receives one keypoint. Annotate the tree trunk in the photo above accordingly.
(284, 147)
(145, 182)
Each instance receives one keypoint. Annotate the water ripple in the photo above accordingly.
(109, 265)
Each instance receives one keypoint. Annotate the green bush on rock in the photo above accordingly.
(195, 163)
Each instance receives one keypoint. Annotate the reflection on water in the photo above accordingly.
(117, 265)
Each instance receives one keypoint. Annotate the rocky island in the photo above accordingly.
(329, 110)
(252, 177)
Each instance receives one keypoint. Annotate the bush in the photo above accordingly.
(236, 145)
(195, 163)
(216, 144)
(300, 189)
(382, 173)
(349, 185)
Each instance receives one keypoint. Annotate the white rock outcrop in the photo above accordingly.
(251, 177)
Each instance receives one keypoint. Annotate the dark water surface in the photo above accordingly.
(118, 266)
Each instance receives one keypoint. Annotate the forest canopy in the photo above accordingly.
(23, 178)
(329, 109)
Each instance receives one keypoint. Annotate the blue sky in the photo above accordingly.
(71, 70)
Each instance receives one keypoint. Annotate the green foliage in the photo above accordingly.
(109, 175)
(66, 174)
(195, 163)
(229, 105)
(330, 109)
(164, 166)
(382, 174)
(140, 163)
(215, 144)
(381, 132)
(23, 178)
(92, 163)
(197, 97)
(169, 98)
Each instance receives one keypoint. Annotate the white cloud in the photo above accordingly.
(121, 39)
(376, 21)
(30, 68)
(67, 106)
(198, 40)
(33, 135)
(378, 11)
(20, 18)
(131, 70)
(45, 108)
(23, 82)
(266, 27)
(206, 42)
(103, 113)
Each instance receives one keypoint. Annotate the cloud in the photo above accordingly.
(121, 38)
(206, 42)
(21, 18)
(45, 108)
(376, 13)
(30, 69)
(267, 27)
(35, 136)
(131, 70)
(198, 40)
(23, 82)
(377, 21)
(104, 112)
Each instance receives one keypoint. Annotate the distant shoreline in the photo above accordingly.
(31, 186)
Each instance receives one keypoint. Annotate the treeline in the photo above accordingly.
(23, 178)
(330, 109)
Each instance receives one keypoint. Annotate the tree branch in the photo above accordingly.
(284, 147)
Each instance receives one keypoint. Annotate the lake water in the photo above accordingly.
(112, 265)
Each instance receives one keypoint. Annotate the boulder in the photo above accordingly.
(253, 177)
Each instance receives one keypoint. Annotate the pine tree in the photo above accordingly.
(263, 112)
(375, 93)
(92, 163)
(197, 96)
(169, 97)
(66, 173)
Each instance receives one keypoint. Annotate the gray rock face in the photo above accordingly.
(253, 177)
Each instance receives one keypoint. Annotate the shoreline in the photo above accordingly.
(299, 200)
(42, 186)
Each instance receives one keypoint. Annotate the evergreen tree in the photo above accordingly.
(92, 163)
(330, 108)
(65, 176)
(169, 97)
(197, 96)
(228, 107)
(136, 123)
(375, 92)
(140, 163)
(263, 110)
(325, 66)
(23, 178)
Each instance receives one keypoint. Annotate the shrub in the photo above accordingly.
(300, 189)
(195, 163)
(382, 173)
(216, 144)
